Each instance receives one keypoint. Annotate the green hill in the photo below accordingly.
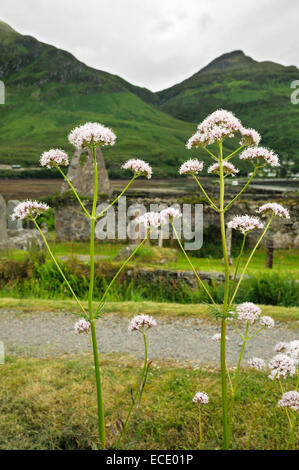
(257, 92)
(48, 92)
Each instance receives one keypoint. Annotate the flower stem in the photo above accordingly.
(233, 153)
(74, 191)
(119, 271)
(141, 385)
(242, 190)
(293, 426)
(138, 393)
(249, 259)
(193, 268)
(239, 258)
(225, 303)
(101, 418)
(235, 382)
(118, 197)
(200, 428)
(59, 268)
(293, 419)
(210, 153)
(205, 194)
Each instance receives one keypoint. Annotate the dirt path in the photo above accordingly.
(52, 334)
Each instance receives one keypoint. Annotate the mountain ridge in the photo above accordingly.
(49, 91)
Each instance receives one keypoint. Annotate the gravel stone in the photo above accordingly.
(47, 334)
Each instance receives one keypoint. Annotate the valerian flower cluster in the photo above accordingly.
(28, 209)
(246, 318)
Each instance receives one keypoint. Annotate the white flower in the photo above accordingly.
(247, 311)
(273, 208)
(201, 398)
(293, 349)
(217, 338)
(215, 128)
(139, 167)
(170, 214)
(150, 219)
(82, 326)
(228, 169)
(191, 167)
(266, 321)
(256, 363)
(245, 223)
(54, 157)
(280, 347)
(282, 366)
(91, 133)
(139, 322)
(28, 209)
(250, 137)
(260, 153)
(290, 399)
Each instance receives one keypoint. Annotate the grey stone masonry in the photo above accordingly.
(13, 224)
(81, 173)
(3, 231)
(71, 225)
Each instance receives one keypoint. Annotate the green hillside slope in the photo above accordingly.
(257, 92)
(48, 92)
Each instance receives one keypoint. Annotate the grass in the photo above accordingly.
(129, 309)
(285, 261)
(50, 404)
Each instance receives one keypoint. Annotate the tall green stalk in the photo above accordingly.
(137, 397)
(225, 304)
(74, 191)
(205, 194)
(200, 427)
(249, 259)
(100, 405)
(193, 268)
(118, 197)
(239, 257)
(242, 190)
(59, 268)
(235, 382)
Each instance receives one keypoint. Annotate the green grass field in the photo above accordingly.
(129, 309)
(285, 261)
(51, 404)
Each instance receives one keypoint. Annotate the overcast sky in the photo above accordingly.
(157, 43)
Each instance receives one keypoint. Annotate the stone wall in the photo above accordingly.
(12, 234)
(70, 225)
(81, 173)
(3, 230)
(188, 277)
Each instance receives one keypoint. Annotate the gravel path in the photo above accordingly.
(52, 334)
